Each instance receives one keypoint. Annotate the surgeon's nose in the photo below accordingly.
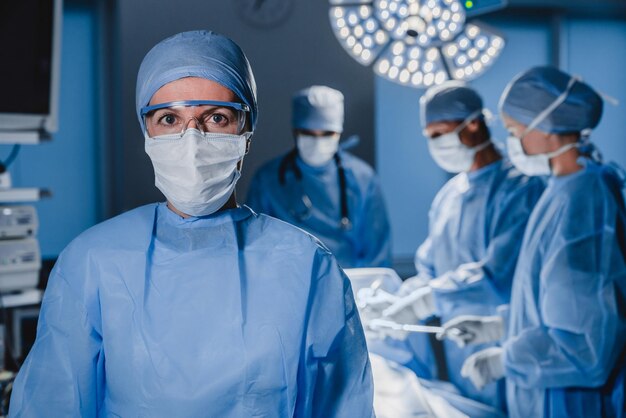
(192, 123)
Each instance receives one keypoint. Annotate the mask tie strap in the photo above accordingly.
(467, 120)
(482, 146)
(547, 111)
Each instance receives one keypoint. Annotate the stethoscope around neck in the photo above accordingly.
(288, 163)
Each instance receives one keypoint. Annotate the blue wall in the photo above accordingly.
(68, 164)
(593, 49)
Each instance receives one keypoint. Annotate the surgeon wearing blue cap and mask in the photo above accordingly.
(196, 307)
(564, 355)
(465, 267)
(323, 189)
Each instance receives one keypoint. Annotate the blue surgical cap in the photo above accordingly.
(533, 91)
(449, 101)
(318, 108)
(201, 54)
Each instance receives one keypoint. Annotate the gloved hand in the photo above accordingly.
(412, 283)
(371, 303)
(412, 308)
(374, 299)
(473, 329)
(484, 366)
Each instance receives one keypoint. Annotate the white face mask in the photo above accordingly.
(532, 165)
(317, 151)
(198, 172)
(450, 153)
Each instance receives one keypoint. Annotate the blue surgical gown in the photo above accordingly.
(475, 227)
(567, 323)
(366, 244)
(231, 315)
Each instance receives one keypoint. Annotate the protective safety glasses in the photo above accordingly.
(173, 118)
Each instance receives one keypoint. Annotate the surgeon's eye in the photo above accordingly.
(220, 119)
(164, 118)
(167, 120)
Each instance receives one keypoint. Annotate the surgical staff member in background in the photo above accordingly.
(196, 307)
(564, 356)
(466, 265)
(324, 190)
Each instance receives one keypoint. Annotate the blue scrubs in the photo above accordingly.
(567, 323)
(475, 227)
(230, 315)
(366, 244)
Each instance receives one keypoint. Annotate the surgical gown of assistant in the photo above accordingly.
(567, 326)
(475, 227)
(367, 243)
(230, 315)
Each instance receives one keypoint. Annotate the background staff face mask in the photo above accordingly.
(197, 172)
(532, 165)
(450, 153)
(317, 151)
(538, 164)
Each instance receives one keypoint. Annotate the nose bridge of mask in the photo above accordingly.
(548, 110)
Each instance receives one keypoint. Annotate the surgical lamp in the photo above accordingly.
(418, 43)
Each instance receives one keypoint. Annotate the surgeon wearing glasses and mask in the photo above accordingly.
(324, 190)
(566, 346)
(196, 306)
(466, 265)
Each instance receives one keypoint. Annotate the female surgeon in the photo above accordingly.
(197, 306)
(564, 355)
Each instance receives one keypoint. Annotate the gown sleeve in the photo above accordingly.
(335, 377)
(488, 281)
(376, 232)
(63, 375)
(582, 328)
(423, 261)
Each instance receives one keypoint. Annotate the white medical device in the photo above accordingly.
(20, 262)
(18, 222)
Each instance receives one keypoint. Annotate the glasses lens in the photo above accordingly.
(212, 119)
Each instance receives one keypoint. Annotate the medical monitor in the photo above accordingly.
(30, 34)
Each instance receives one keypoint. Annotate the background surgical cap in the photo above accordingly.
(318, 108)
(532, 91)
(449, 101)
(201, 54)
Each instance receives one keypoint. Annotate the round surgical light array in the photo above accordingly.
(473, 52)
(359, 32)
(417, 43)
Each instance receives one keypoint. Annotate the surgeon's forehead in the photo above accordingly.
(193, 88)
